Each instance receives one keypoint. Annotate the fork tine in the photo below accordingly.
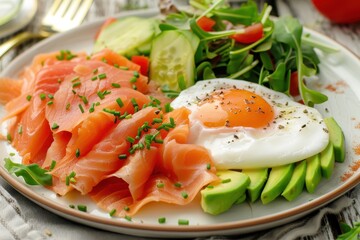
(48, 19)
(62, 9)
(82, 11)
(74, 5)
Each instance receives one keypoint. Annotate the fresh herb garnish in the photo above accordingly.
(33, 174)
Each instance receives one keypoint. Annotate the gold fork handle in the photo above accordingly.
(18, 39)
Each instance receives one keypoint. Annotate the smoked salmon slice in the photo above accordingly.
(175, 174)
(95, 124)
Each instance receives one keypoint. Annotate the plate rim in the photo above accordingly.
(295, 212)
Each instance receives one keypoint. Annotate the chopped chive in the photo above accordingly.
(59, 80)
(133, 80)
(82, 208)
(67, 106)
(116, 85)
(168, 108)
(84, 99)
(72, 206)
(92, 108)
(93, 78)
(8, 137)
(183, 222)
(209, 186)
(172, 122)
(226, 180)
(12, 154)
(75, 79)
(128, 218)
(104, 60)
(132, 150)
(20, 130)
(116, 65)
(72, 180)
(67, 181)
(122, 156)
(28, 97)
(134, 87)
(126, 208)
(81, 108)
(76, 84)
(97, 103)
(156, 140)
(50, 96)
(157, 120)
(95, 71)
(130, 139)
(102, 76)
(42, 96)
(101, 95)
(119, 102)
(128, 116)
(136, 74)
(112, 212)
(124, 68)
(160, 185)
(178, 185)
(162, 220)
(72, 174)
(208, 166)
(133, 102)
(52, 165)
(73, 91)
(77, 153)
(50, 103)
(184, 195)
(71, 56)
(54, 126)
(113, 112)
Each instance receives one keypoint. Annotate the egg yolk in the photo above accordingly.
(233, 108)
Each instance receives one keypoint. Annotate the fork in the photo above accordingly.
(63, 15)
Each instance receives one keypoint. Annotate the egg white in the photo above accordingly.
(297, 132)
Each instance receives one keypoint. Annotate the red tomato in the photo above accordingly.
(206, 23)
(344, 11)
(105, 24)
(252, 34)
(294, 84)
(143, 62)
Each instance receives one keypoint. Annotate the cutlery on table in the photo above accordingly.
(63, 15)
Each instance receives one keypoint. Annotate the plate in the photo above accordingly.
(339, 80)
(23, 17)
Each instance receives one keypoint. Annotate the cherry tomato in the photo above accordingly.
(105, 24)
(294, 84)
(252, 34)
(206, 23)
(344, 11)
(143, 62)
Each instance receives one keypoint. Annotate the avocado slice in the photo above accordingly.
(336, 138)
(279, 178)
(224, 193)
(297, 182)
(241, 199)
(258, 179)
(313, 173)
(327, 161)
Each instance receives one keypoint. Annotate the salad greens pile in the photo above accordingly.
(241, 43)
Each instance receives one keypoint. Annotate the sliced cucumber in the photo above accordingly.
(126, 35)
(172, 62)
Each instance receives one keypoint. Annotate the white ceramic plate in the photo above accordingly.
(23, 17)
(338, 79)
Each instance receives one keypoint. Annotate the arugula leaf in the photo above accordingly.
(288, 30)
(350, 233)
(33, 174)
